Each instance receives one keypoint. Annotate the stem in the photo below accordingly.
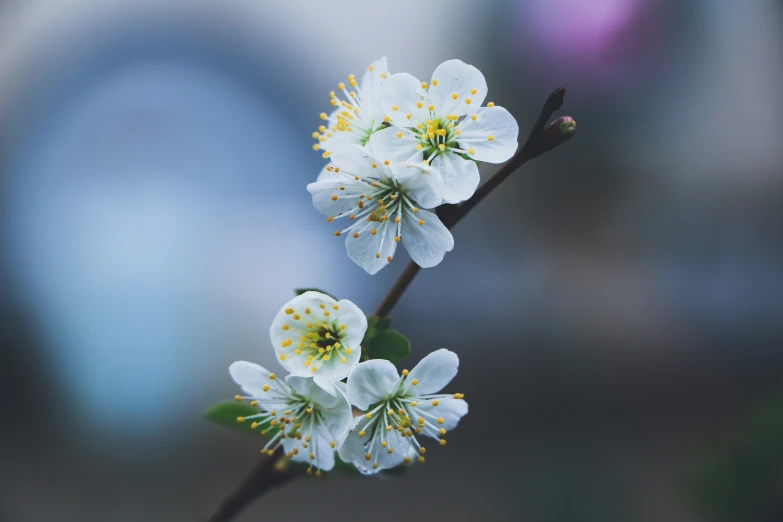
(542, 138)
(265, 475)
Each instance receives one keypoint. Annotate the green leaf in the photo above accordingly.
(376, 324)
(388, 344)
(226, 414)
(300, 291)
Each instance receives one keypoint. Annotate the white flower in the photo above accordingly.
(442, 122)
(316, 336)
(399, 409)
(311, 423)
(383, 200)
(358, 116)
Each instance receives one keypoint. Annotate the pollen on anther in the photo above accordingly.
(490, 138)
(399, 135)
(419, 105)
(377, 255)
(471, 151)
(415, 382)
(355, 235)
(421, 222)
(454, 96)
(337, 233)
(491, 104)
(373, 231)
(272, 376)
(385, 162)
(323, 116)
(387, 119)
(389, 259)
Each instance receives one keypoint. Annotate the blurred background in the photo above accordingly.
(619, 312)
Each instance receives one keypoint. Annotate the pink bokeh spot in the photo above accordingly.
(587, 34)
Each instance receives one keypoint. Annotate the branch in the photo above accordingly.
(270, 472)
(542, 138)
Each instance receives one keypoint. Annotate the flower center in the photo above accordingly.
(437, 136)
(320, 340)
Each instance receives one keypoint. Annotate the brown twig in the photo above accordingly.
(542, 138)
(266, 475)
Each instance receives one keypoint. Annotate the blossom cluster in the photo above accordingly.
(373, 420)
(398, 148)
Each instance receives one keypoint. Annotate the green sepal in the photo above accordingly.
(465, 156)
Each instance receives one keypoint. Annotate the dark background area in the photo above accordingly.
(616, 306)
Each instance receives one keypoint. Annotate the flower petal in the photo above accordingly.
(386, 145)
(324, 193)
(456, 77)
(432, 373)
(424, 185)
(355, 327)
(250, 377)
(355, 448)
(318, 446)
(496, 122)
(307, 388)
(449, 409)
(427, 243)
(460, 177)
(404, 92)
(328, 174)
(370, 89)
(371, 382)
(372, 251)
